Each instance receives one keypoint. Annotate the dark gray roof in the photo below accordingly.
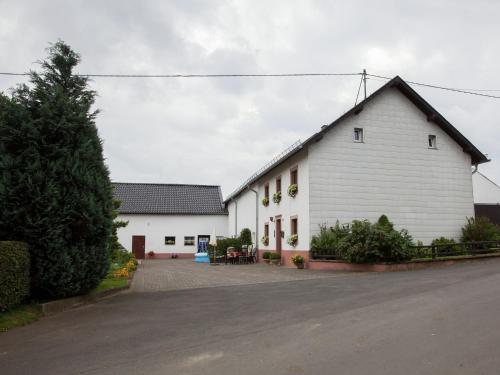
(139, 198)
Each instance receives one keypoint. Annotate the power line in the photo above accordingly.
(198, 75)
(476, 92)
(440, 87)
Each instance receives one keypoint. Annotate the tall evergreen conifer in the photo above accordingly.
(55, 191)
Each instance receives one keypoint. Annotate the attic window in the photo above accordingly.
(432, 141)
(358, 134)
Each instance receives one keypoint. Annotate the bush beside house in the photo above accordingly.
(364, 242)
(14, 274)
(480, 229)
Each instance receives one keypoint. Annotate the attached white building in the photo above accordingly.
(391, 154)
(486, 197)
(169, 219)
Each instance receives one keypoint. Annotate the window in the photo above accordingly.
(294, 226)
(278, 184)
(293, 176)
(170, 240)
(266, 230)
(266, 191)
(432, 141)
(358, 135)
(189, 241)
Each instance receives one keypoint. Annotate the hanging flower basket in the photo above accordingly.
(277, 197)
(292, 240)
(265, 240)
(292, 190)
(265, 201)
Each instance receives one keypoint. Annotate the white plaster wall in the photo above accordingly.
(242, 213)
(157, 227)
(288, 207)
(393, 172)
(485, 190)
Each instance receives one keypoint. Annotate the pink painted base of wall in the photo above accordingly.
(334, 265)
(169, 256)
(286, 255)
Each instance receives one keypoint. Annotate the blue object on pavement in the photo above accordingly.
(201, 258)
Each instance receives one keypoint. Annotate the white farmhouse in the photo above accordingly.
(169, 219)
(391, 154)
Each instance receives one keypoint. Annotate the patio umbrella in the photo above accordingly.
(213, 242)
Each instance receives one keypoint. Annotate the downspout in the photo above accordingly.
(235, 217)
(256, 217)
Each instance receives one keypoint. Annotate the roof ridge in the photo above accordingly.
(162, 184)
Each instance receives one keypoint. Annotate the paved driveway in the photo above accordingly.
(174, 274)
(436, 321)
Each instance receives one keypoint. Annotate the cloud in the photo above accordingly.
(220, 130)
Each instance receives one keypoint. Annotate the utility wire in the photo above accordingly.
(198, 75)
(463, 91)
(359, 89)
(439, 87)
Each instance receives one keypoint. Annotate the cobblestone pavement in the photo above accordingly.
(175, 274)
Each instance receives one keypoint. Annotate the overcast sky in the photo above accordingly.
(219, 131)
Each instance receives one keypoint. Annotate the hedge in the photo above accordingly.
(14, 273)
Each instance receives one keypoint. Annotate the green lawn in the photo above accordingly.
(25, 314)
(19, 316)
(111, 283)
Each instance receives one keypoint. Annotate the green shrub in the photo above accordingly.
(266, 255)
(246, 236)
(14, 273)
(446, 245)
(223, 244)
(329, 238)
(480, 229)
(379, 242)
(274, 256)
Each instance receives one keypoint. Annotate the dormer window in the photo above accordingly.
(432, 141)
(358, 135)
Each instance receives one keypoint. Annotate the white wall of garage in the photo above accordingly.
(156, 227)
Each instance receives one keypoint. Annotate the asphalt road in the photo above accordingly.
(439, 321)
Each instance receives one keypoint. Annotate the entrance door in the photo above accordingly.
(139, 246)
(278, 236)
(203, 241)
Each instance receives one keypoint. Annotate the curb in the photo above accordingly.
(53, 307)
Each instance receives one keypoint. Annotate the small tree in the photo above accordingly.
(246, 236)
(55, 191)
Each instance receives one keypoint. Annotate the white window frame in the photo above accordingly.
(358, 132)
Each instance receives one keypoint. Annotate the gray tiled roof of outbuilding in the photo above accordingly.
(169, 199)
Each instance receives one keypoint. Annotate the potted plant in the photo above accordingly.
(265, 240)
(277, 197)
(275, 258)
(292, 240)
(266, 255)
(298, 260)
(265, 201)
(151, 254)
(292, 190)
